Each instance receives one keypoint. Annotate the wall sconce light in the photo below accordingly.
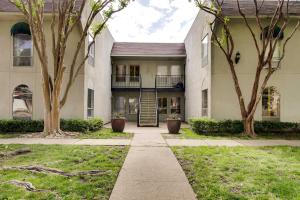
(237, 57)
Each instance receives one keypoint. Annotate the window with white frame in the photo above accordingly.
(205, 103)
(91, 58)
(22, 45)
(120, 105)
(90, 103)
(133, 105)
(22, 102)
(271, 104)
(204, 51)
(175, 105)
(163, 105)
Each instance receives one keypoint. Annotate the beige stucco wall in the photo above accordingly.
(11, 77)
(198, 76)
(286, 79)
(148, 67)
(98, 77)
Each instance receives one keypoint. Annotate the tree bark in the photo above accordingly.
(249, 126)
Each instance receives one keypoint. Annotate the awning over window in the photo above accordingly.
(277, 30)
(20, 28)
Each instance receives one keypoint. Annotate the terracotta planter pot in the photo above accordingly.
(173, 125)
(118, 125)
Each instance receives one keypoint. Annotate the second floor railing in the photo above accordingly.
(170, 81)
(125, 81)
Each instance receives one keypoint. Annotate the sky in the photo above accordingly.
(153, 21)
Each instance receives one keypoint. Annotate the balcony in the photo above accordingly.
(160, 82)
(170, 82)
(125, 81)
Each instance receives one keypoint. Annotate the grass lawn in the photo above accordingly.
(186, 133)
(104, 133)
(242, 172)
(70, 159)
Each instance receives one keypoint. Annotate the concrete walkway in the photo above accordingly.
(151, 171)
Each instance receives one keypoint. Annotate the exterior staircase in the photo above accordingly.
(148, 108)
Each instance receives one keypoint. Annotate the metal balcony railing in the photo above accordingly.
(125, 81)
(170, 81)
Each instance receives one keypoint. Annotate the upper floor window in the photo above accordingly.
(120, 73)
(22, 102)
(277, 49)
(271, 104)
(134, 73)
(90, 103)
(204, 51)
(22, 44)
(91, 58)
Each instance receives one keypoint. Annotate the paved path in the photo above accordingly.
(151, 171)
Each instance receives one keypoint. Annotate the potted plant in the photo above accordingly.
(118, 122)
(173, 123)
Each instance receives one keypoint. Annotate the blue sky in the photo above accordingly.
(154, 21)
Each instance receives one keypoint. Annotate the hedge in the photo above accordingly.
(224, 127)
(72, 125)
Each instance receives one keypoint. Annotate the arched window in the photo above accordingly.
(22, 102)
(22, 44)
(271, 104)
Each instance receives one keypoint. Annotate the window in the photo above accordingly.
(204, 51)
(120, 105)
(22, 45)
(90, 103)
(133, 105)
(91, 59)
(204, 102)
(271, 104)
(120, 73)
(175, 105)
(134, 73)
(162, 105)
(22, 103)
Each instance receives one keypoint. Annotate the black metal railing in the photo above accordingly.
(125, 81)
(156, 104)
(170, 81)
(139, 105)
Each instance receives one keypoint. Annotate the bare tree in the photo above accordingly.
(65, 16)
(270, 33)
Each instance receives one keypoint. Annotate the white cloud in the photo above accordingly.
(154, 21)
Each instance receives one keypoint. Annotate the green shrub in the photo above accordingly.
(224, 127)
(73, 125)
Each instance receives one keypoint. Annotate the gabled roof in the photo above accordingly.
(148, 49)
(6, 6)
(230, 7)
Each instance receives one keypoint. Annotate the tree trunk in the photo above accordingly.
(249, 126)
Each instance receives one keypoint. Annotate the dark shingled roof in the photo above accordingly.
(148, 49)
(6, 6)
(230, 7)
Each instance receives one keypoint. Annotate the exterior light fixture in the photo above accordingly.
(237, 57)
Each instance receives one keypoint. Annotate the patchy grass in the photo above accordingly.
(186, 133)
(9, 135)
(66, 158)
(105, 133)
(242, 172)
